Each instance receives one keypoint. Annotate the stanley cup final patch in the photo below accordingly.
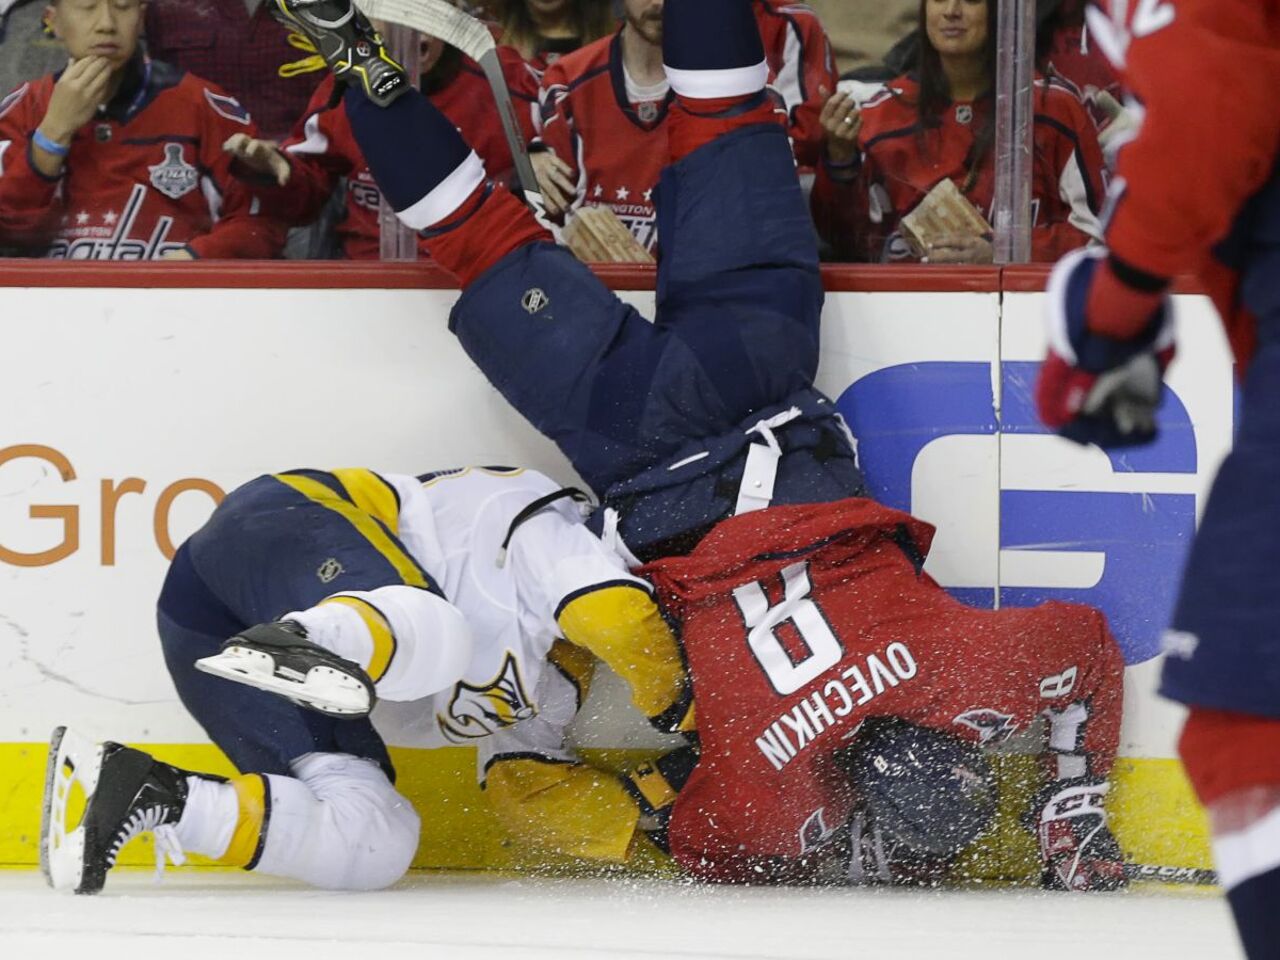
(174, 177)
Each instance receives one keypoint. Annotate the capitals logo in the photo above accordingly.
(815, 831)
(476, 712)
(992, 725)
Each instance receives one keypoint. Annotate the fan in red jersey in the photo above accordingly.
(119, 157)
(884, 157)
(604, 135)
(322, 150)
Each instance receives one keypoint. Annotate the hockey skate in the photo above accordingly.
(278, 657)
(127, 792)
(350, 45)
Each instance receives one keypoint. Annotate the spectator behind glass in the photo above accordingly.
(936, 123)
(119, 157)
(604, 137)
(322, 151)
(545, 30)
(237, 45)
(27, 49)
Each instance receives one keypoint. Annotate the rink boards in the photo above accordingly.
(134, 396)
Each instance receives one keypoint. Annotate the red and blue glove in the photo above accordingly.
(1111, 338)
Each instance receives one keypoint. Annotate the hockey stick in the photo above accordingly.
(438, 18)
(1185, 875)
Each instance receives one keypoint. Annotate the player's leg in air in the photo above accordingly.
(735, 345)
(315, 799)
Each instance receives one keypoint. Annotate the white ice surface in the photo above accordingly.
(194, 915)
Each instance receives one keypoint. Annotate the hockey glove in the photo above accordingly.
(654, 787)
(1077, 848)
(1109, 345)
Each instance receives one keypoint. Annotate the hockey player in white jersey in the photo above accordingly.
(353, 607)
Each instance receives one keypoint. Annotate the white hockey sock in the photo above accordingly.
(209, 818)
(412, 642)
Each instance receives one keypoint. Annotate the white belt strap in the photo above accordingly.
(761, 469)
(611, 537)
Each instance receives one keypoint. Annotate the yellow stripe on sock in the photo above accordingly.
(251, 791)
(372, 494)
(364, 522)
(384, 640)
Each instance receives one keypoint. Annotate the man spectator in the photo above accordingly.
(27, 49)
(237, 45)
(604, 129)
(119, 157)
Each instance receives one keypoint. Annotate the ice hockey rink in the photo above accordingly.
(192, 915)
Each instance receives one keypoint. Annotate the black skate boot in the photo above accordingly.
(349, 44)
(278, 657)
(127, 792)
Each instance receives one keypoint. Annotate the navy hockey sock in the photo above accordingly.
(419, 159)
(1253, 903)
(711, 35)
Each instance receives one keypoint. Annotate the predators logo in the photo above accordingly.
(476, 712)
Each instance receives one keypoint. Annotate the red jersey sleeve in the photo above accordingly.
(321, 150)
(30, 202)
(1206, 73)
(802, 69)
(240, 230)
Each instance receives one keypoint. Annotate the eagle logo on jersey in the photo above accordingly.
(174, 177)
(815, 831)
(8, 102)
(992, 725)
(228, 107)
(476, 712)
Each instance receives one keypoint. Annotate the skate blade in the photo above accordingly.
(72, 759)
(321, 688)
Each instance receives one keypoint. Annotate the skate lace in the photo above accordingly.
(150, 819)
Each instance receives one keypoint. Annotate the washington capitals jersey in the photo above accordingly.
(323, 149)
(901, 164)
(1209, 141)
(147, 176)
(799, 622)
(614, 144)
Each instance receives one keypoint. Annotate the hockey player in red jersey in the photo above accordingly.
(802, 623)
(935, 123)
(321, 150)
(1198, 192)
(119, 157)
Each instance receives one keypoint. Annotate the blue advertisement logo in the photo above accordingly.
(897, 411)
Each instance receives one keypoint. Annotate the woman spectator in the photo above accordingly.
(937, 122)
(545, 30)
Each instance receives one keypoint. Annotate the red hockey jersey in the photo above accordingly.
(323, 149)
(802, 69)
(799, 622)
(859, 217)
(615, 145)
(1206, 73)
(147, 176)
